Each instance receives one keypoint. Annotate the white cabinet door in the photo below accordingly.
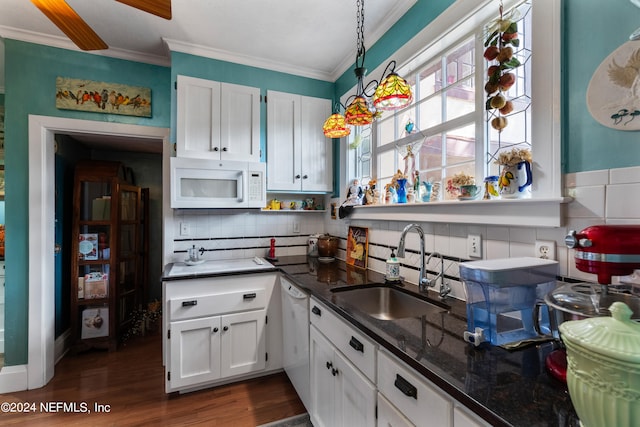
(340, 394)
(355, 396)
(242, 343)
(194, 352)
(418, 399)
(322, 381)
(462, 417)
(240, 123)
(283, 141)
(299, 156)
(219, 121)
(198, 118)
(316, 153)
(389, 416)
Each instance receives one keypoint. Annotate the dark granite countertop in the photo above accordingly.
(506, 388)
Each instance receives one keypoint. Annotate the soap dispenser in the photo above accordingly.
(393, 269)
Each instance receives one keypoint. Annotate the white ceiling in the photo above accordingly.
(311, 38)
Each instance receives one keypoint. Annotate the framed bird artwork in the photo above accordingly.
(613, 95)
(100, 97)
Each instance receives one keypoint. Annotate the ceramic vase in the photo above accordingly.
(515, 181)
(426, 196)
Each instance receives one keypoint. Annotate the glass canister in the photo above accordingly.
(491, 189)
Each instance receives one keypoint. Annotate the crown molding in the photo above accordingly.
(224, 55)
(65, 43)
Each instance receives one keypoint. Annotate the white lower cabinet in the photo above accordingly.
(462, 417)
(420, 401)
(342, 369)
(406, 398)
(217, 329)
(389, 416)
(340, 394)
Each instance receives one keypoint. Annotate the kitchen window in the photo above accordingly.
(451, 128)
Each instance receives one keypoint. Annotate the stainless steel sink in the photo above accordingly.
(385, 302)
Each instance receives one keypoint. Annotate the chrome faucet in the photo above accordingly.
(422, 280)
(445, 289)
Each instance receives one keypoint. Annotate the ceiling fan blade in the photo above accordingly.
(161, 8)
(70, 23)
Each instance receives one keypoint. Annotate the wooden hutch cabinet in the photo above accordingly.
(108, 258)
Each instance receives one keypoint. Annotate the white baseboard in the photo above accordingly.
(61, 346)
(13, 378)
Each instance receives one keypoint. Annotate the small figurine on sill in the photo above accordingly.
(371, 194)
(355, 193)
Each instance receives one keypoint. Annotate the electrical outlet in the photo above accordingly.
(545, 249)
(185, 229)
(474, 246)
(296, 227)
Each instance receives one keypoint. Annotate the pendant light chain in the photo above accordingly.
(360, 49)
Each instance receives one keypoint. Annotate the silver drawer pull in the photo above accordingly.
(189, 303)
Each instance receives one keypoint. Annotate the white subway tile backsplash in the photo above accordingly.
(588, 202)
(625, 175)
(496, 249)
(517, 249)
(458, 247)
(497, 233)
(522, 235)
(585, 179)
(623, 201)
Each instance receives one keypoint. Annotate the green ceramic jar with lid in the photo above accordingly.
(603, 372)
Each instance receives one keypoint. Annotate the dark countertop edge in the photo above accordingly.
(457, 394)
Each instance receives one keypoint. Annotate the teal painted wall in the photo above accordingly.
(222, 71)
(418, 17)
(592, 31)
(30, 78)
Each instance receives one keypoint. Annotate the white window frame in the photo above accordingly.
(543, 209)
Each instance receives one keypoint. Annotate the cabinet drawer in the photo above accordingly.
(358, 348)
(412, 394)
(208, 305)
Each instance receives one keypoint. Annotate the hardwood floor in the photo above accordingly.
(131, 382)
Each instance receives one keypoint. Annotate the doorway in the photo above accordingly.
(41, 335)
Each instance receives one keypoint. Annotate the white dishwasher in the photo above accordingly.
(295, 328)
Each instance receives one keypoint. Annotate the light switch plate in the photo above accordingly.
(185, 229)
(474, 246)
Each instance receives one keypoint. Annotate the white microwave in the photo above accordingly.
(203, 183)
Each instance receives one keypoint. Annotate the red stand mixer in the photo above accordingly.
(606, 251)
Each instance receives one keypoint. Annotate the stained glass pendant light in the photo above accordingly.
(335, 126)
(358, 112)
(393, 92)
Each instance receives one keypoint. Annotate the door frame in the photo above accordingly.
(41, 336)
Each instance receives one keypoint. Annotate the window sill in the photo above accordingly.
(506, 212)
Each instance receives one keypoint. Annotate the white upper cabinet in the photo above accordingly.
(299, 156)
(219, 121)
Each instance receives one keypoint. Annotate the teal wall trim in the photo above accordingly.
(30, 79)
